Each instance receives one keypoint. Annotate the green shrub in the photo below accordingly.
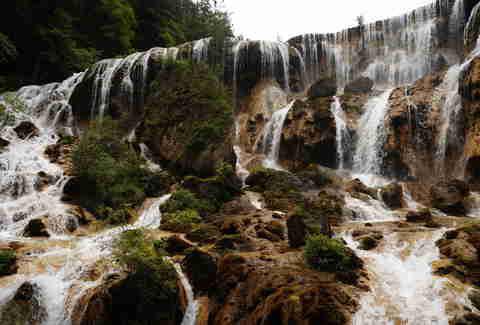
(181, 221)
(328, 255)
(186, 200)
(151, 283)
(7, 261)
(109, 172)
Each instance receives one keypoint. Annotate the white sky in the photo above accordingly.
(268, 19)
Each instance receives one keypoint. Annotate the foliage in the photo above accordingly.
(13, 106)
(7, 260)
(328, 255)
(152, 281)
(109, 172)
(183, 89)
(181, 221)
(51, 39)
(183, 200)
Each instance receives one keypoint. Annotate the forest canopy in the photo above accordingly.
(50, 39)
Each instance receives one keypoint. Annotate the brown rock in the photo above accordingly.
(392, 195)
(362, 85)
(325, 87)
(26, 129)
(423, 215)
(36, 228)
(201, 268)
(177, 245)
(450, 196)
(25, 307)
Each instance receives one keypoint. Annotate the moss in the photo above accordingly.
(204, 234)
(181, 221)
(8, 259)
(67, 140)
(328, 255)
(186, 200)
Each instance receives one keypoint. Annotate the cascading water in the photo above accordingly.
(273, 53)
(190, 316)
(404, 290)
(342, 133)
(273, 136)
(200, 49)
(367, 158)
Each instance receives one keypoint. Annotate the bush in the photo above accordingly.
(181, 221)
(328, 255)
(7, 261)
(152, 281)
(186, 200)
(109, 172)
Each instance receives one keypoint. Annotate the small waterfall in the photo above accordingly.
(371, 136)
(190, 316)
(127, 85)
(369, 210)
(449, 113)
(200, 49)
(472, 27)
(303, 67)
(241, 171)
(104, 72)
(310, 52)
(147, 155)
(342, 133)
(405, 291)
(457, 18)
(236, 68)
(273, 136)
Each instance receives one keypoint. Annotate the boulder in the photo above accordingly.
(53, 152)
(370, 242)
(450, 196)
(36, 228)
(43, 180)
(24, 307)
(423, 215)
(361, 85)
(297, 231)
(26, 129)
(392, 195)
(4, 143)
(201, 269)
(326, 87)
(73, 189)
(356, 186)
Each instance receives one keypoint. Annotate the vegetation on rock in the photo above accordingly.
(328, 255)
(8, 260)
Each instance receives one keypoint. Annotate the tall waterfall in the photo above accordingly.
(273, 136)
(200, 49)
(275, 54)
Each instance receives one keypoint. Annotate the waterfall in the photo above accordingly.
(408, 292)
(102, 84)
(273, 53)
(190, 316)
(450, 109)
(200, 49)
(342, 133)
(367, 158)
(236, 68)
(472, 27)
(303, 67)
(273, 136)
(457, 18)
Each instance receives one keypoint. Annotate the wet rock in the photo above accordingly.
(71, 223)
(356, 186)
(297, 230)
(204, 234)
(320, 176)
(392, 195)
(177, 245)
(8, 262)
(361, 85)
(43, 180)
(370, 242)
(450, 196)
(203, 311)
(53, 152)
(474, 297)
(25, 307)
(19, 216)
(309, 135)
(26, 129)
(83, 216)
(263, 232)
(276, 227)
(325, 87)
(239, 205)
(467, 319)
(423, 215)
(73, 189)
(158, 184)
(3, 144)
(36, 228)
(201, 269)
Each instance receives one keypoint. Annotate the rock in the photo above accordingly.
(8, 262)
(263, 232)
(73, 189)
(177, 245)
(158, 184)
(201, 269)
(277, 228)
(25, 307)
(53, 152)
(392, 195)
(474, 297)
(361, 85)
(204, 234)
(71, 223)
(450, 196)
(356, 186)
(3, 144)
(467, 319)
(83, 216)
(370, 242)
(423, 215)
(232, 226)
(320, 176)
(36, 228)
(461, 251)
(43, 180)
(203, 311)
(26, 129)
(326, 87)
(297, 230)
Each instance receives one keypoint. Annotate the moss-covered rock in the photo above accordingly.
(25, 307)
(8, 262)
(201, 269)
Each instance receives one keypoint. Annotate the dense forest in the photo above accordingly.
(52, 39)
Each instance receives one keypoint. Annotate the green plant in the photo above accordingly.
(7, 261)
(328, 255)
(185, 200)
(181, 221)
